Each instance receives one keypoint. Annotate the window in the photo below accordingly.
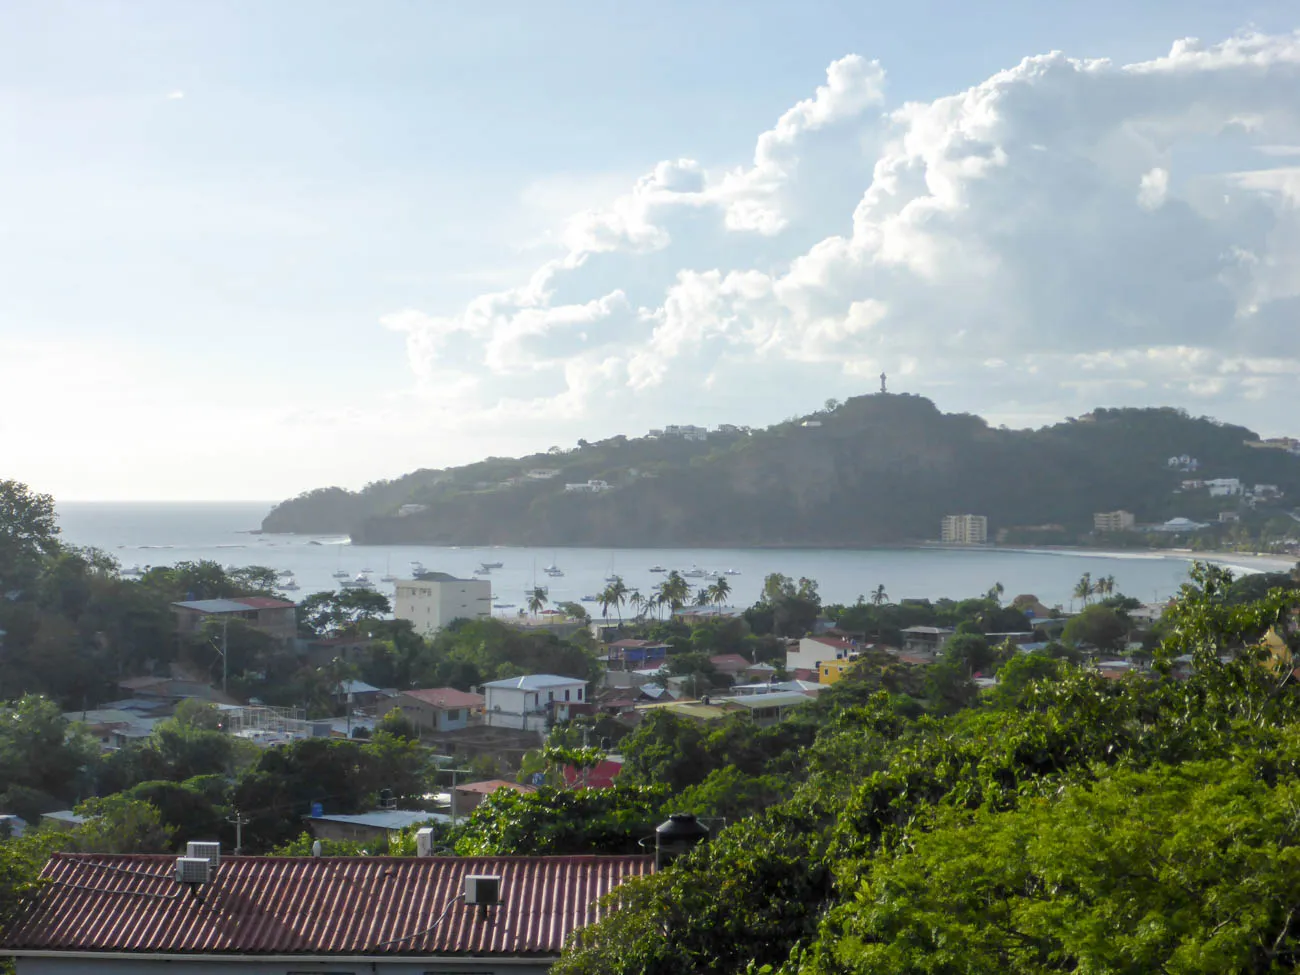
(550, 695)
(566, 695)
(579, 693)
(453, 715)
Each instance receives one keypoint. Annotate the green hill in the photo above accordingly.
(875, 470)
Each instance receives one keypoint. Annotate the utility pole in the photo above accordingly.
(225, 628)
(454, 772)
(240, 822)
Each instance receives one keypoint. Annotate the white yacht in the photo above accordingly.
(732, 572)
(360, 581)
(418, 569)
(554, 571)
(290, 584)
(694, 572)
(134, 572)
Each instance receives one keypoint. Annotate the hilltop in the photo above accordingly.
(875, 470)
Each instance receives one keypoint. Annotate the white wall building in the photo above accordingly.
(529, 703)
(965, 529)
(588, 487)
(1222, 487)
(434, 601)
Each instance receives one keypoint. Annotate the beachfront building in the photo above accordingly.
(437, 598)
(964, 529)
(1113, 521)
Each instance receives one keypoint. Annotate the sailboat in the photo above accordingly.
(388, 572)
(340, 572)
(553, 570)
(613, 576)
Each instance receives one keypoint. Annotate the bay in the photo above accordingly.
(160, 533)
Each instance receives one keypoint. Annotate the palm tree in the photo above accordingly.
(703, 597)
(1105, 585)
(1085, 589)
(677, 589)
(606, 600)
(879, 597)
(638, 602)
(995, 592)
(720, 591)
(536, 600)
(618, 590)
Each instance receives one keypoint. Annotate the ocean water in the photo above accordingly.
(156, 533)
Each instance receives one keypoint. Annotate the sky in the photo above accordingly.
(250, 249)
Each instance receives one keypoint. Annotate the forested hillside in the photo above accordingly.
(875, 470)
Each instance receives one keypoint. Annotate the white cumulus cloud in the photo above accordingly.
(1065, 233)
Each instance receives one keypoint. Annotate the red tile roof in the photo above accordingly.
(446, 697)
(316, 906)
(265, 602)
(730, 661)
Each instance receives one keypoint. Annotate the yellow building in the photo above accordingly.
(829, 671)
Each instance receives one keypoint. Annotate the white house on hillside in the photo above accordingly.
(532, 702)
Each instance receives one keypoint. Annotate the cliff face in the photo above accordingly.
(877, 470)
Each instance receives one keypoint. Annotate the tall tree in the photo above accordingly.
(1085, 589)
(28, 532)
(879, 597)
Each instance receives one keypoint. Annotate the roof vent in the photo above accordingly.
(204, 850)
(193, 870)
(483, 889)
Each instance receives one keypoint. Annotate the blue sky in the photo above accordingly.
(248, 249)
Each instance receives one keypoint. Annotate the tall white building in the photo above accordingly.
(434, 601)
(965, 529)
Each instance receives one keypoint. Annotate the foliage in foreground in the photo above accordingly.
(1072, 824)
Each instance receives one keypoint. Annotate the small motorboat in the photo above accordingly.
(657, 568)
(732, 572)
(492, 565)
(590, 599)
(341, 574)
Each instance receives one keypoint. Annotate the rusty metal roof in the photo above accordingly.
(316, 906)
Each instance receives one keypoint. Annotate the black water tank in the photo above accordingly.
(679, 834)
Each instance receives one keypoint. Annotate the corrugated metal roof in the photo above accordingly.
(382, 818)
(214, 605)
(533, 682)
(445, 697)
(317, 906)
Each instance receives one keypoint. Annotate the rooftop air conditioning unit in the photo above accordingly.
(204, 850)
(192, 870)
(424, 841)
(483, 889)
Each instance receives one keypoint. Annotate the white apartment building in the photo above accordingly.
(965, 529)
(532, 702)
(434, 601)
(1113, 521)
(1222, 487)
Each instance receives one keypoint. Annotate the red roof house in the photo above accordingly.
(323, 913)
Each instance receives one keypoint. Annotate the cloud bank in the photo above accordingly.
(1065, 234)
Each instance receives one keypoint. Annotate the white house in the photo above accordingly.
(588, 487)
(814, 649)
(430, 603)
(532, 702)
(1221, 487)
(542, 473)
